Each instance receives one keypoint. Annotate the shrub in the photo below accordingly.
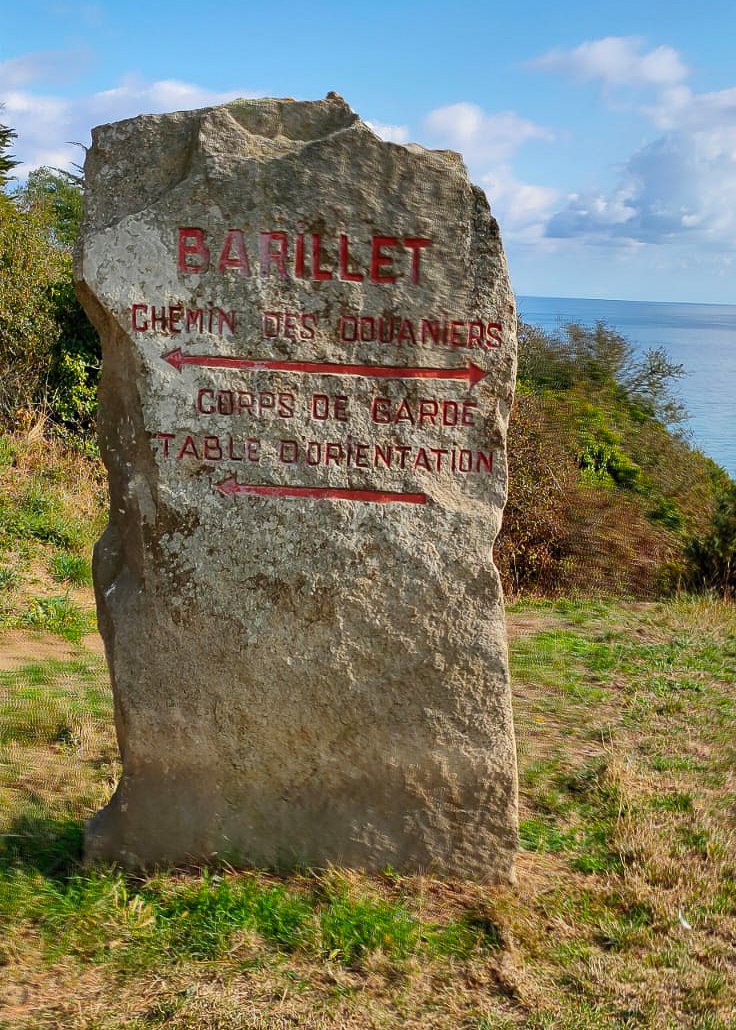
(711, 560)
(29, 272)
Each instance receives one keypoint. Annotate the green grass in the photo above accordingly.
(626, 829)
(70, 568)
(39, 515)
(60, 615)
(47, 703)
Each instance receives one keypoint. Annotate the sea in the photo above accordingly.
(700, 337)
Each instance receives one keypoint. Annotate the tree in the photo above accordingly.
(74, 357)
(62, 198)
(7, 161)
(30, 272)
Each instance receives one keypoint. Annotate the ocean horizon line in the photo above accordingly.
(624, 300)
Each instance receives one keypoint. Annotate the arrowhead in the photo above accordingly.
(475, 374)
(229, 487)
(175, 358)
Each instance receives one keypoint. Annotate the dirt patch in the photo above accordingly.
(526, 625)
(93, 642)
(18, 648)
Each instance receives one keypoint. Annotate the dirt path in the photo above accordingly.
(18, 648)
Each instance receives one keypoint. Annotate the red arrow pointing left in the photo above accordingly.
(471, 373)
(231, 487)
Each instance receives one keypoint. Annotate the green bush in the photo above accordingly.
(711, 559)
(29, 272)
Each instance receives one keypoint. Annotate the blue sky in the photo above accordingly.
(603, 133)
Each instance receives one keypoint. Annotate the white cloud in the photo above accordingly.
(681, 109)
(45, 124)
(616, 61)
(521, 208)
(487, 141)
(480, 136)
(680, 186)
(390, 133)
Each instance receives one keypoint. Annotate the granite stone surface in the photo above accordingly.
(309, 359)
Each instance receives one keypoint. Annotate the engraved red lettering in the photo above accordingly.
(476, 334)
(225, 318)
(232, 456)
(138, 327)
(200, 401)
(484, 459)
(245, 401)
(189, 450)
(234, 254)
(427, 411)
(379, 260)
(165, 437)
(367, 329)
(196, 249)
(415, 244)
(299, 258)
(493, 332)
(348, 321)
(194, 319)
(406, 333)
(438, 454)
(403, 413)
(176, 313)
(468, 418)
(403, 451)
(320, 407)
(225, 402)
(212, 449)
(290, 325)
(382, 455)
(333, 452)
(288, 451)
(158, 319)
(270, 257)
(450, 413)
(286, 405)
(381, 410)
(266, 402)
(271, 324)
(431, 330)
(351, 277)
(422, 461)
(457, 338)
(309, 323)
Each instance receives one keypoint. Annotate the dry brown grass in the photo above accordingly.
(624, 914)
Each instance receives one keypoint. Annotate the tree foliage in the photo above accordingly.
(61, 197)
(604, 490)
(54, 200)
(30, 276)
(711, 558)
(598, 358)
(7, 161)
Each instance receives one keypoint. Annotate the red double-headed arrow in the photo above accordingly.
(471, 373)
(231, 488)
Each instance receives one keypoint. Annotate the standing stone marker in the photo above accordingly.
(309, 357)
